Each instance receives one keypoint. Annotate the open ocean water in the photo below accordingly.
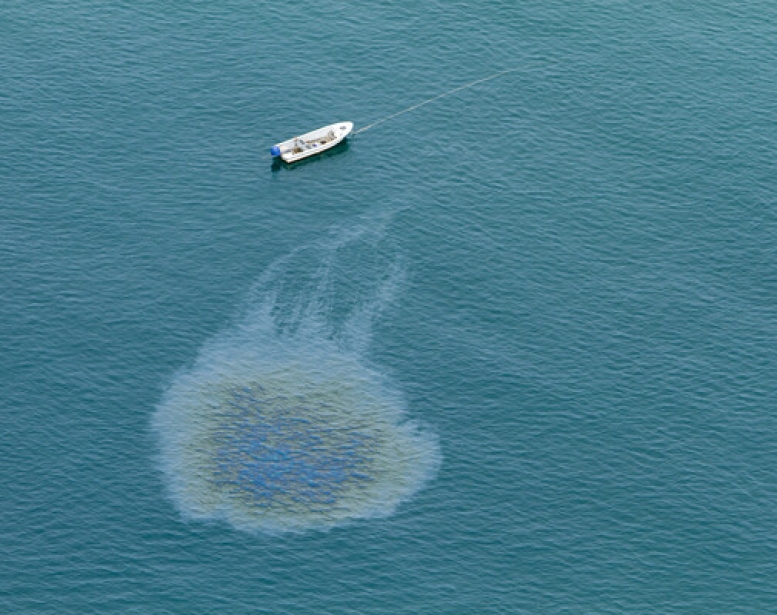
(514, 351)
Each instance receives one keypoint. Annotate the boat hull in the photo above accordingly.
(313, 142)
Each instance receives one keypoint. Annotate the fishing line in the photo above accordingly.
(426, 102)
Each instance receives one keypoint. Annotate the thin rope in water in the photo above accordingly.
(426, 102)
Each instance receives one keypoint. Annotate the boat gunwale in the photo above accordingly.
(341, 130)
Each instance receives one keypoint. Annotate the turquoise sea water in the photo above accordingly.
(512, 352)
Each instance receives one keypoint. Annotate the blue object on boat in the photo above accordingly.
(275, 150)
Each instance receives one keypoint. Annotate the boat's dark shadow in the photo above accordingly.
(278, 164)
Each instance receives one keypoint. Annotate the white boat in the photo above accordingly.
(312, 143)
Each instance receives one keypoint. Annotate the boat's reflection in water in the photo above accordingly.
(278, 164)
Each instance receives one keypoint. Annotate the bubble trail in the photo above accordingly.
(281, 424)
(433, 98)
